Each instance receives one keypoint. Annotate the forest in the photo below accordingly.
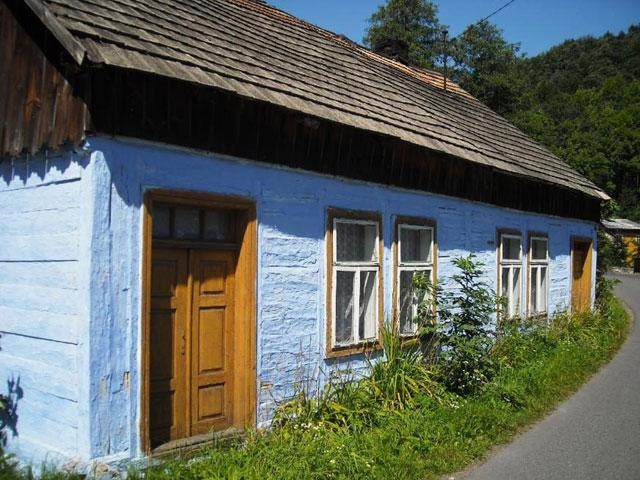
(581, 99)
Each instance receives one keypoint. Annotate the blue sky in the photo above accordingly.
(536, 24)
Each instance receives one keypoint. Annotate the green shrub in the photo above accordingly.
(461, 332)
(604, 291)
(344, 404)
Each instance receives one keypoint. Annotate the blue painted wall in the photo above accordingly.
(41, 216)
(291, 208)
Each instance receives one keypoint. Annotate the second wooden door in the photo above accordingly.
(581, 275)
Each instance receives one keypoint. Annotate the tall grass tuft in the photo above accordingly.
(395, 380)
(402, 376)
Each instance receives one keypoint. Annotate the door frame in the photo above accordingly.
(588, 260)
(245, 301)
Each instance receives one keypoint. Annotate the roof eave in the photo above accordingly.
(73, 47)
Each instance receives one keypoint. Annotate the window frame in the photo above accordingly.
(502, 263)
(531, 263)
(335, 216)
(398, 266)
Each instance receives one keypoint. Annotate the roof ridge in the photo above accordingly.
(415, 72)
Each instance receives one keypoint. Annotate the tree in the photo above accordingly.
(412, 22)
(581, 99)
(485, 66)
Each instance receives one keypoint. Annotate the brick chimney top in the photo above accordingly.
(393, 48)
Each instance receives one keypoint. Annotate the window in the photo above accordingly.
(538, 274)
(188, 223)
(510, 272)
(354, 279)
(415, 255)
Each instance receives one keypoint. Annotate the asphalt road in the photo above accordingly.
(593, 435)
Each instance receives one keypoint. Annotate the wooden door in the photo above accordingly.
(191, 355)
(198, 332)
(212, 334)
(168, 315)
(581, 275)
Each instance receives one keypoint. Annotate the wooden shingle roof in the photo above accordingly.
(262, 53)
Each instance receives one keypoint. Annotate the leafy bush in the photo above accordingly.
(604, 291)
(4, 407)
(461, 331)
(619, 251)
(609, 255)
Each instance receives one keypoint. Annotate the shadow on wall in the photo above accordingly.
(36, 168)
(9, 409)
(9, 412)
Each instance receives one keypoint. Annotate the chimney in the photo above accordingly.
(395, 49)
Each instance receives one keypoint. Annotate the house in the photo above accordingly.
(630, 232)
(202, 203)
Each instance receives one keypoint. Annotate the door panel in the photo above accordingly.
(167, 348)
(581, 275)
(212, 324)
(212, 334)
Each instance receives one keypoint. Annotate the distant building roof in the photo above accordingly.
(260, 52)
(620, 224)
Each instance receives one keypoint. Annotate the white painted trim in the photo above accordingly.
(537, 264)
(357, 268)
(511, 265)
(338, 220)
(510, 260)
(533, 260)
(407, 226)
(411, 267)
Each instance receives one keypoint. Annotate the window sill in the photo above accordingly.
(409, 339)
(347, 350)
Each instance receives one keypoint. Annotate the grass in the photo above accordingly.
(436, 433)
